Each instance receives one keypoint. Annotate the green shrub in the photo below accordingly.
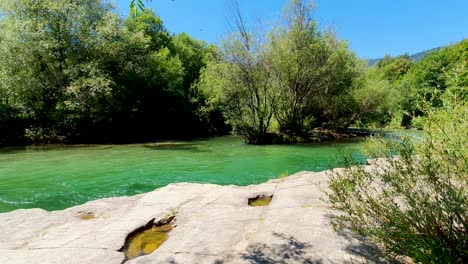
(418, 122)
(416, 204)
(38, 135)
(396, 122)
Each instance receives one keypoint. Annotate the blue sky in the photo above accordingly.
(372, 27)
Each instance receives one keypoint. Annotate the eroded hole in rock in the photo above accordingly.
(260, 200)
(86, 215)
(146, 239)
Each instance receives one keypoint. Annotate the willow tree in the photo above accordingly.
(47, 53)
(314, 73)
(65, 64)
(239, 78)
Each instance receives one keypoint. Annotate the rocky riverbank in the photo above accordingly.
(194, 223)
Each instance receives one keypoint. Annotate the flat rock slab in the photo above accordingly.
(214, 224)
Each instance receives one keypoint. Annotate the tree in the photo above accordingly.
(377, 100)
(300, 78)
(429, 79)
(239, 79)
(394, 69)
(429, 74)
(192, 53)
(314, 73)
(75, 72)
(47, 47)
(165, 102)
(151, 26)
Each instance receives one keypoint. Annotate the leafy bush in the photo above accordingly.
(418, 122)
(415, 204)
(396, 121)
(40, 135)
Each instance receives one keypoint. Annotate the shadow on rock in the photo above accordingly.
(290, 251)
(361, 248)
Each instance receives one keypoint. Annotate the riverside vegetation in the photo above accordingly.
(75, 72)
(418, 204)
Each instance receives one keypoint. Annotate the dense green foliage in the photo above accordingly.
(75, 72)
(297, 79)
(417, 205)
(410, 83)
(237, 80)
(314, 74)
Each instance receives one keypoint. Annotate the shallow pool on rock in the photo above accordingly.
(260, 200)
(57, 177)
(146, 241)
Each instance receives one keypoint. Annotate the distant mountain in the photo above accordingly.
(420, 55)
(415, 57)
(371, 62)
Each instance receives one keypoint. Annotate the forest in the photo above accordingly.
(76, 72)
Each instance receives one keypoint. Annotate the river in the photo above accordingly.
(57, 177)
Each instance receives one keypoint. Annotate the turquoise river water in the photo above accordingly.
(57, 177)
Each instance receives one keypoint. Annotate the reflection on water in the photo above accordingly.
(187, 146)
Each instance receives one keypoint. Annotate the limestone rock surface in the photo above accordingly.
(214, 224)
